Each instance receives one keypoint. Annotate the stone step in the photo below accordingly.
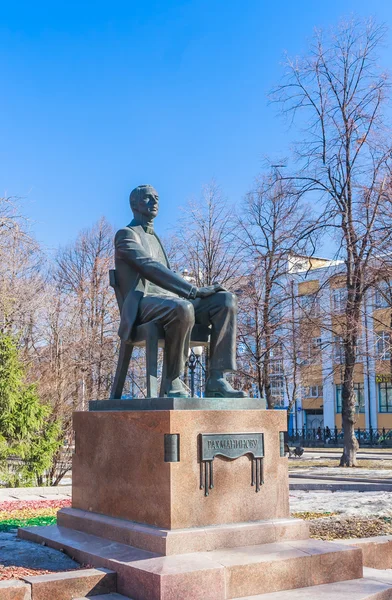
(14, 590)
(286, 566)
(376, 551)
(381, 575)
(179, 541)
(112, 596)
(356, 589)
(216, 575)
(69, 584)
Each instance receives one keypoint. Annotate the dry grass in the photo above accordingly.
(330, 526)
(310, 516)
(337, 528)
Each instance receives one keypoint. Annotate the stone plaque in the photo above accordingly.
(232, 446)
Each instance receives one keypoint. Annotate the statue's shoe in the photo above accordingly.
(177, 394)
(221, 388)
(176, 389)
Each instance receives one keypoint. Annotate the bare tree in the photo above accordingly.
(76, 337)
(204, 247)
(11, 215)
(22, 275)
(338, 93)
(82, 275)
(274, 225)
(205, 242)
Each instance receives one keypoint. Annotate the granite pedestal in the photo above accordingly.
(140, 505)
(119, 467)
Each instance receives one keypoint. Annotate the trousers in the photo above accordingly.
(177, 317)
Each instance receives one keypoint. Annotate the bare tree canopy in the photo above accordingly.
(274, 226)
(205, 240)
(338, 94)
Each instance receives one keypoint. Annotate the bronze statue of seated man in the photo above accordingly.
(152, 292)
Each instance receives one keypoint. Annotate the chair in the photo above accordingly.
(152, 336)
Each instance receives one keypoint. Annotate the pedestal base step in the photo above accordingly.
(179, 541)
(113, 596)
(69, 584)
(217, 575)
(357, 589)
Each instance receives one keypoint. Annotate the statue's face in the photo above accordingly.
(148, 203)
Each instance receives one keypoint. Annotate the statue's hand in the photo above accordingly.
(209, 290)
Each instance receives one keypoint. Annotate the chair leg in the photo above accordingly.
(152, 366)
(121, 371)
(164, 370)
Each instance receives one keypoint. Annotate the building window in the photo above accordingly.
(338, 349)
(276, 313)
(310, 304)
(276, 366)
(277, 390)
(339, 298)
(383, 345)
(312, 391)
(385, 397)
(317, 343)
(382, 295)
(276, 351)
(360, 401)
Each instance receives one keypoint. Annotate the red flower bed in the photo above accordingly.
(7, 573)
(19, 511)
(9, 506)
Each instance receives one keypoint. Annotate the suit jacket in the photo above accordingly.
(135, 266)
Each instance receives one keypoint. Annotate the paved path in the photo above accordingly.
(356, 480)
(347, 503)
(339, 450)
(35, 493)
(322, 478)
(338, 486)
(301, 481)
(335, 479)
(337, 453)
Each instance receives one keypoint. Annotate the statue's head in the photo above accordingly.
(144, 201)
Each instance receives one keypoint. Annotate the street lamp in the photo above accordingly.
(193, 360)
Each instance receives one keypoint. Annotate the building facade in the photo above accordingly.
(319, 289)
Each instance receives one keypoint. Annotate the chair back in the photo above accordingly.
(115, 286)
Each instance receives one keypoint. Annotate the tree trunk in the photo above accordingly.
(350, 442)
(260, 381)
(349, 456)
(267, 383)
(389, 348)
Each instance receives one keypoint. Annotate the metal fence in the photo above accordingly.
(334, 437)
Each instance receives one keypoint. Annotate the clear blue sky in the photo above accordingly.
(97, 97)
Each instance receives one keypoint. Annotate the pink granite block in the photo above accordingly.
(272, 567)
(85, 548)
(122, 531)
(376, 551)
(141, 487)
(191, 576)
(180, 541)
(14, 590)
(268, 576)
(68, 584)
(261, 569)
(291, 529)
(356, 589)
